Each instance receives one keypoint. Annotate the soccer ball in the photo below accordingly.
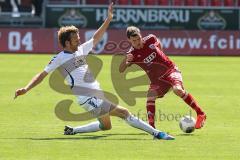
(187, 124)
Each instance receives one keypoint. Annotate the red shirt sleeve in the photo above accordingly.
(156, 41)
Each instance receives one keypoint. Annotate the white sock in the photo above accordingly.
(91, 127)
(138, 123)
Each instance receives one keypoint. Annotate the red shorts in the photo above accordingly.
(165, 83)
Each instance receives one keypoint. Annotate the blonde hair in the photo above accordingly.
(132, 31)
(64, 34)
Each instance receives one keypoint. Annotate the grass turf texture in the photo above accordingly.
(30, 129)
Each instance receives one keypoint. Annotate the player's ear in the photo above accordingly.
(67, 43)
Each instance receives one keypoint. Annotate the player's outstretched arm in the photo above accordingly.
(123, 66)
(34, 82)
(99, 33)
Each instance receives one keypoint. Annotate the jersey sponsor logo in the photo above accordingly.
(78, 61)
(150, 58)
(74, 63)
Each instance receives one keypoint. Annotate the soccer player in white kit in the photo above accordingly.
(71, 63)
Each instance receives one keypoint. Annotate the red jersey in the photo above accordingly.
(151, 59)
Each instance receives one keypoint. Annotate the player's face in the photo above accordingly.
(74, 42)
(136, 41)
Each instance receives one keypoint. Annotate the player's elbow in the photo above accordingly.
(95, 41)
(96, 38)
(42, 75)
(123, 66)
(121, 70)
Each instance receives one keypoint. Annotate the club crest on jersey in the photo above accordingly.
(149, 58)
(152, 46)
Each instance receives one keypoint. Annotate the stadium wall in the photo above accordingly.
(178, 42)
(154, 17)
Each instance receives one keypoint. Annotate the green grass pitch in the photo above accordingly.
(30, 130)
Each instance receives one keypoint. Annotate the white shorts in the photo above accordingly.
(96, 106)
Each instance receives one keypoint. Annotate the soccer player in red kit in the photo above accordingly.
(146, 52)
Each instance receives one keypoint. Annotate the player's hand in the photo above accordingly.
(19, 92)
(129, 58)
(110, 11)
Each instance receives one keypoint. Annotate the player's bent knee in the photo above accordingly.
(105, 127)
(178, 91)
(124, 113)
(151, 98)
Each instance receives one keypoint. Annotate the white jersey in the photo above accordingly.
(74, 68)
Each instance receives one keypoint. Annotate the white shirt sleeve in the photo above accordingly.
(85, 48)
(53, 64)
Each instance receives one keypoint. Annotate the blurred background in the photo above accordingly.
(185, 27)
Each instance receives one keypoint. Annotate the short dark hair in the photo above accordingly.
(132, 31)
(64, 34)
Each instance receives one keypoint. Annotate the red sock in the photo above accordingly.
(188, 98)
(151, 112)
